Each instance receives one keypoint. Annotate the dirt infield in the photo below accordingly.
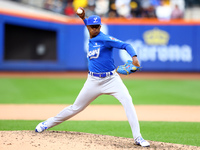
(50, 140)
(83, 74)
(102, 112)
(61, 140)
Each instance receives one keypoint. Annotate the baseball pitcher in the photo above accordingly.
(102, 78)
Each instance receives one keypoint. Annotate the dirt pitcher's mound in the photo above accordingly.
(55, 140)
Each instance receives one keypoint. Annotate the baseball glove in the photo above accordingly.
(127, 68)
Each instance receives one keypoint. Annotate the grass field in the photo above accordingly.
(65, 91)
(149, 92)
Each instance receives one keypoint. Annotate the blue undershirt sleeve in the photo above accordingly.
(130, 50)
(85, 21)
(120, 45)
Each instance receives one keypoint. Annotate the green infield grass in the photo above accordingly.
(187, 133)
(65, 91)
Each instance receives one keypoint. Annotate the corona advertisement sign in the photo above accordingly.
(160, 49)
(156, 37)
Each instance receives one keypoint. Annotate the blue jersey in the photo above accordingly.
(100, 53)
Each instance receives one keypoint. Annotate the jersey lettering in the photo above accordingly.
(93, 54)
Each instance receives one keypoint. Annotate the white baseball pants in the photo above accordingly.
(94, 87)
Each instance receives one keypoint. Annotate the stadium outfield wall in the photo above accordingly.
(36, 43)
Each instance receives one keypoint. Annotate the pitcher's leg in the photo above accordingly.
(129, 108)
(117, 89)
(84, 98)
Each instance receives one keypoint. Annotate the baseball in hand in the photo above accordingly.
(79, 11)
(134, 68)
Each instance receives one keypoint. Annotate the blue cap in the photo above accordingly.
(94, 20)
